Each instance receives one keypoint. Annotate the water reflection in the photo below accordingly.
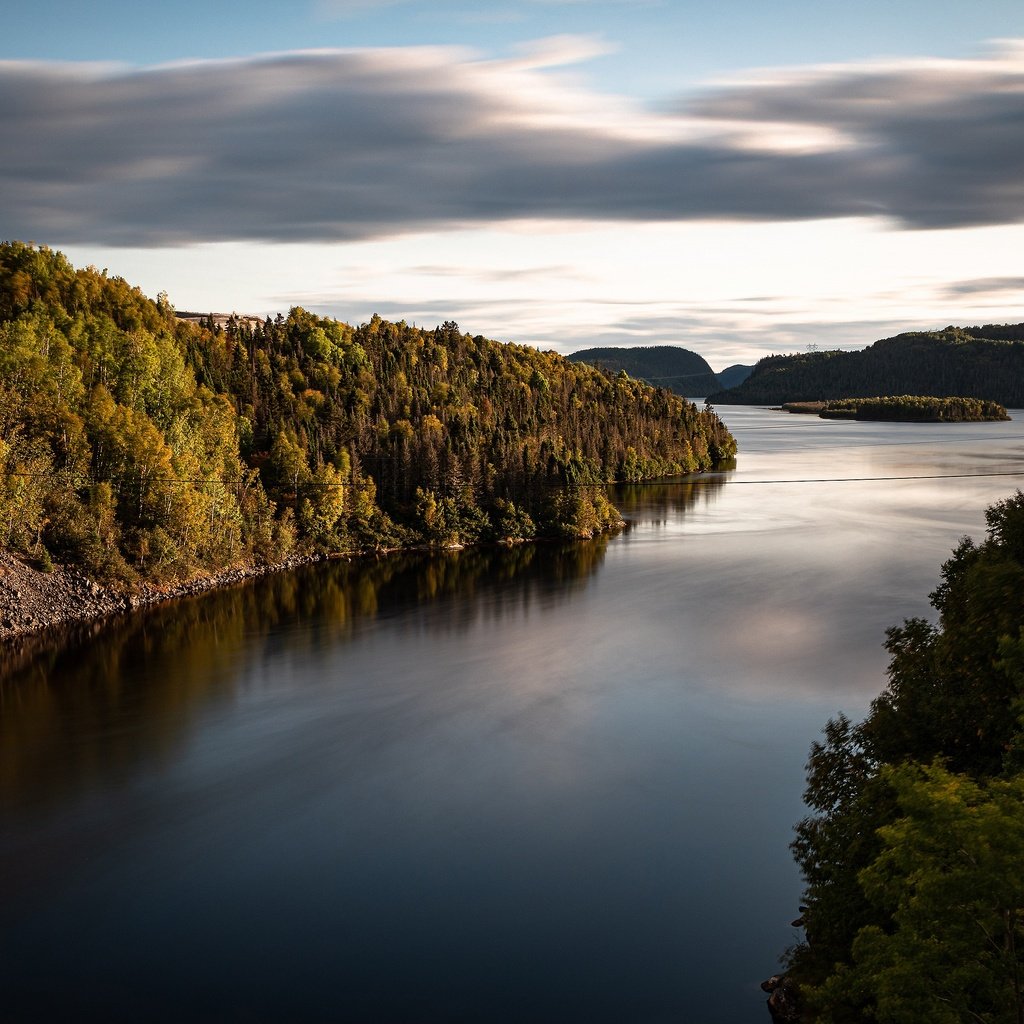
(65, 695)
(657, 502)
(83, 707)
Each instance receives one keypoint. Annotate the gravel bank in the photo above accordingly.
(31, 600)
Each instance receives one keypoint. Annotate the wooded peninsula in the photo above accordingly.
(143, 447)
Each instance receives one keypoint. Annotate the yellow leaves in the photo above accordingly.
(103, 506)
(20, 288)
(323, 503)
(288, 460)
(402, 430)
(431, 426)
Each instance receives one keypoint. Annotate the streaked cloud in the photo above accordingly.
(561, 271)
(986, 286)
(342, 145)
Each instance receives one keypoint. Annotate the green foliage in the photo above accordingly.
(984, 363)
(144, 445)
(949, 881)
(913, 856)
(511, 523)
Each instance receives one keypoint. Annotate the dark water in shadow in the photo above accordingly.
(544, 784)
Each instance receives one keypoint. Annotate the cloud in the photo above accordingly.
(341, 145)
(722, 333)
(985, 286)
(562, 271)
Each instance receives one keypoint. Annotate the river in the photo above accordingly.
(548, 784)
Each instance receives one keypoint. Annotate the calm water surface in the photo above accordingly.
(545, 785)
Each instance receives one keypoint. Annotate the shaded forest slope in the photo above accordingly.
(668, 366)
(973, 362)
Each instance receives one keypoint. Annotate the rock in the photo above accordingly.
(30, 601)
(784, 1001)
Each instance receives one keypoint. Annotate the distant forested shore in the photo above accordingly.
(669, 366)
(146, 448)
(959, 362)
(903, 409)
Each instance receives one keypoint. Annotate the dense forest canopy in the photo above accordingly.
(913, 855)
(668, 366)
(974, 362)
(141, 445)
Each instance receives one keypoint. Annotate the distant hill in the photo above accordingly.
(972, 362)
(669, 366)
(733, 375)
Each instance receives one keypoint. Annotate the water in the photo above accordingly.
(549, 784)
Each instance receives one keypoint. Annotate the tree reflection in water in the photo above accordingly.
(86, 705)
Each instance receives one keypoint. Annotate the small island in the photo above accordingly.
(903, 409)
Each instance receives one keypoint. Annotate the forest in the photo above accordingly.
(974, 362)
(140, 445)
(903, 409)
(913, 855)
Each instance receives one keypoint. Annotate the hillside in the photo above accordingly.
(668, 366)
(140, 446)
(735, 374)
(974, 362)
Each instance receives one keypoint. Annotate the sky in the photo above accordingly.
(740, 178)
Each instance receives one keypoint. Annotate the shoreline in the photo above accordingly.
(32, 601)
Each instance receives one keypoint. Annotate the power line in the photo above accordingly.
(717, 479)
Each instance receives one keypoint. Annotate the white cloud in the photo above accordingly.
(336, 145)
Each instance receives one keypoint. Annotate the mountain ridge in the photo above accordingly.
(969, 362)
(679, 369)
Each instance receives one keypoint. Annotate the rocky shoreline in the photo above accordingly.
(31, 600)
